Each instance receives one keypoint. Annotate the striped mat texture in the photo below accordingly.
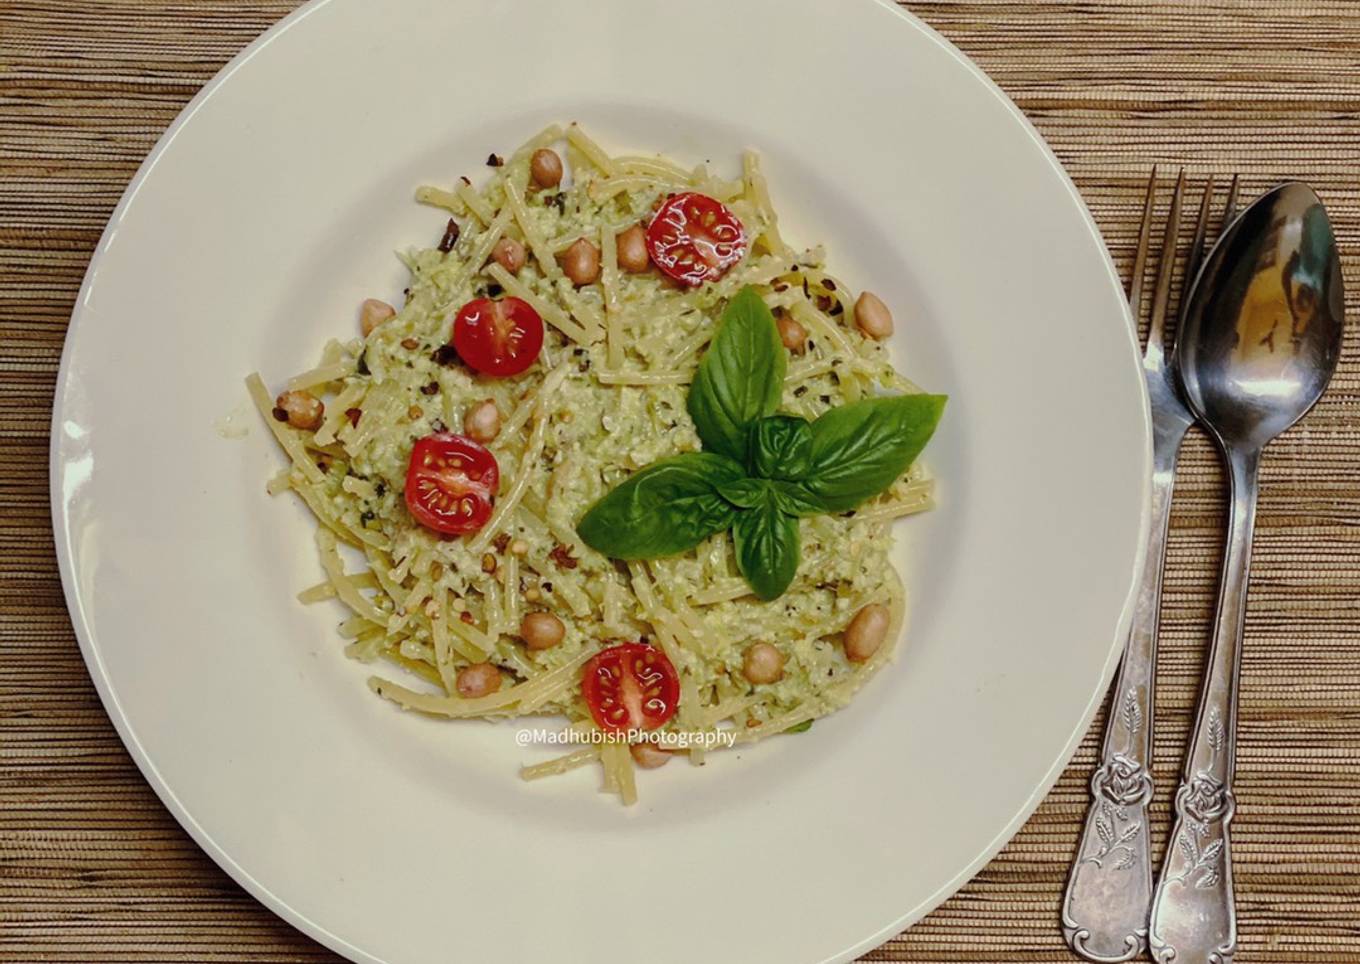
(92, 867)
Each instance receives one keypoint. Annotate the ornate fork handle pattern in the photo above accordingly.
(1104, 914)
(1105, 909)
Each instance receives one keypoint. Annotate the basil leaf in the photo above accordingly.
(746, 493)
(800, 727)
(668, 507)
(766, 544)
(860, 449)
(789, 497)
(781, 447)
(793, 498)
(741, 376)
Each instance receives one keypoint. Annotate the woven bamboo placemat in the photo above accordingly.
(92, 868)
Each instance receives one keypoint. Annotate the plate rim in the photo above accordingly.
(219, 855)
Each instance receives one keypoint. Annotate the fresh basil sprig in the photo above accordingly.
(760, 470)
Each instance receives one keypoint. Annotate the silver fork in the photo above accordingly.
(1109, 889)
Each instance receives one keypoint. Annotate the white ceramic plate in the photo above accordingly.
(272, 207)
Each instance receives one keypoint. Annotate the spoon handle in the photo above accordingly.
(1104, 913)
(1193, 919)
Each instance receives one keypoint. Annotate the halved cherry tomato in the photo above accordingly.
(694, 238)
(451, 483)
(498, 337)
(630, 686)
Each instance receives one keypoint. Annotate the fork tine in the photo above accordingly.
(1140, 255)
(1197, 246)
(1166, 260)
(1230, 208)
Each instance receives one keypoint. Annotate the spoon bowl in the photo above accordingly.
(1262, 330)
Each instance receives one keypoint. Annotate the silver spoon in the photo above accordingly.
(1258, 344)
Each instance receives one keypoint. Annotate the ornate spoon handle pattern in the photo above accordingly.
(1193, 918)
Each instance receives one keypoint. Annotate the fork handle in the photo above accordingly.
(1193, 917)
(1109, 888)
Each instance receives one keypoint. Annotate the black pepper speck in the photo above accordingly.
(450, 237)
(445, 355)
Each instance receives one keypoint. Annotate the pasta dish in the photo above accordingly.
(622, 456)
